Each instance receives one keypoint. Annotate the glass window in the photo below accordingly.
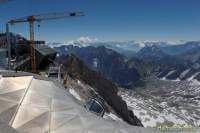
(96, 107)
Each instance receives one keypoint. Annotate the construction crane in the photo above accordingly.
(36, 18)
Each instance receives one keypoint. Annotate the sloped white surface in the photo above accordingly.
(40, 106)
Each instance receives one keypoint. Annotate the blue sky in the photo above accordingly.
(110, 19)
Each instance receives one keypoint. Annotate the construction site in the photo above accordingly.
(19, 53)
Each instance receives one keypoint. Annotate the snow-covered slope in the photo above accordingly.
(166, 103)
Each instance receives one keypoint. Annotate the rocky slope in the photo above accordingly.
(111, 64)
(152, 59)
(76, 69)
(185, 66)
(156, 55)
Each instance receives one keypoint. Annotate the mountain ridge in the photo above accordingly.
(110, 63)
(76, 69)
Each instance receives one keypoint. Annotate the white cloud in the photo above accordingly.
(82, 41)
(87, 40)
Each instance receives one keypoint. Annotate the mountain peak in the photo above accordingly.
(151, 51)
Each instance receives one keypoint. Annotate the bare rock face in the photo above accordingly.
(112, 65)
(76, 69)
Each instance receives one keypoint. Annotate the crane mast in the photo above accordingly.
(37, 18)
(32, 46)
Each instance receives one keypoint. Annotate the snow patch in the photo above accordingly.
(1, 80)
(95, 63)
(168, 74)
(193, 76)
(195, 82)
(112, 117)
(57, 55)
(184, 73)
(75, 94)
(79, 82)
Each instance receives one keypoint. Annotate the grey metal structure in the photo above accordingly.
(8, 45)
(3, 59)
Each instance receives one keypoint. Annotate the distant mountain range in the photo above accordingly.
(180, 49)
(184, 65)
(159, 58)
(128, 48)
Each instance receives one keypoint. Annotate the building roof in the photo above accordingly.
(45, 50)
(30, 104)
